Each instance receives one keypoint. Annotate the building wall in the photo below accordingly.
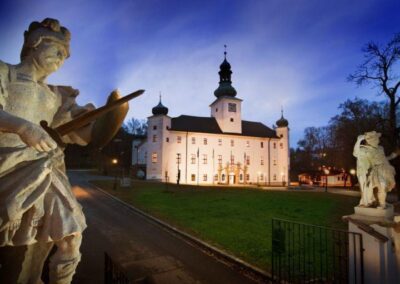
(228, 119)
(200, 162)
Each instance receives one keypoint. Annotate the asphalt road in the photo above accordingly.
(149, 253)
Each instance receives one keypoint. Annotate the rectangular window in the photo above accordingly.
(247, 177)
(262, 161)
(274, 145)
(262, 144)
(215, 177)
(154, 138)
(274, 163)
(281, 145)
(232, 160)
(219, 159)
(193, 177)
(261, 177)
(178, 158)
(154, 127)
(167, 139)
(248, 160)
(193, 140)
(193, 158)
(231, 107)
(205, 141)
(219, 142)
(204, 159)
(232, 119)
(205, 177)
(232, 143)
(179, 139)
(154, 157)
(274, 178)
(247, 144)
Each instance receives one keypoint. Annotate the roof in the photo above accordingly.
(210, 125)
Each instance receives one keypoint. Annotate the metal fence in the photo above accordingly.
(303, 253)
(114, 273)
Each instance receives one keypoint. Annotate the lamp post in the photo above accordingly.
(326, 171)
(178, 161)
(115, 163)
(353, 173)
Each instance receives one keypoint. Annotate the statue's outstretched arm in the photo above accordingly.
(357, 145)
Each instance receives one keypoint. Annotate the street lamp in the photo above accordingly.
(115, 163)
(353, 173)
(326, 171)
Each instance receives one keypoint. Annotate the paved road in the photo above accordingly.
(144, 249)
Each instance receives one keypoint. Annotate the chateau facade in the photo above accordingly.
(220, 149)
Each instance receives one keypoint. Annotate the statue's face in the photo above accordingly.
(49, 56)
(373, 141)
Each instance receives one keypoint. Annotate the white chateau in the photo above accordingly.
(220, 149)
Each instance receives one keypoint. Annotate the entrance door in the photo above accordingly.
(231, 178)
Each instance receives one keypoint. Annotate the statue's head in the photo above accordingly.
(48, 43)
(372, 138)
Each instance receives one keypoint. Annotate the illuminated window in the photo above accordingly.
(154, 157)
(247, 144)
(179, 139)
(193, 177)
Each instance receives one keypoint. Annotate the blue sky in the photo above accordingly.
(291, 53)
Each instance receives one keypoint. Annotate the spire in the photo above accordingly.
(225, 84)
(282, 122)
(160, 109)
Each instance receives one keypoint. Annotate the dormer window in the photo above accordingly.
(231, 107)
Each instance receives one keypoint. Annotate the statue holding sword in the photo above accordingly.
(37, 207)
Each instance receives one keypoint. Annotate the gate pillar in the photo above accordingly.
(380, 230)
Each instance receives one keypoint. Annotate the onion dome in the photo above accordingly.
(225, 84)
(282, 122)
(160, 109)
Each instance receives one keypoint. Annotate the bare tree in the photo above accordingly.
(379, 68)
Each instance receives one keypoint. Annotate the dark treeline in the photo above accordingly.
(332, 145)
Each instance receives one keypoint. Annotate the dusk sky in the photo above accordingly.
(296, 54)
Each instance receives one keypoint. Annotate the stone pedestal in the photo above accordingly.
(380, 232)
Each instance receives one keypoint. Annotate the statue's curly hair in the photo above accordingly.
(49, 29)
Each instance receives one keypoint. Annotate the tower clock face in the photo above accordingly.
(232, 107)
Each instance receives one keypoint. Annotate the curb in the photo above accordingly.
(245, 268)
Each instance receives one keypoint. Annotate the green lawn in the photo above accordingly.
(237, 220)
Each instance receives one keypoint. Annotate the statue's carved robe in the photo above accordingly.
(36, 201)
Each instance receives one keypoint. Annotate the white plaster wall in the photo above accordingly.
(223, 116)
(258, 173)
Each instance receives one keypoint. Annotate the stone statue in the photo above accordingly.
(374, 171)
(37, 207)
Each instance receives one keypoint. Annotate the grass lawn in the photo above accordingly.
(235, 219)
